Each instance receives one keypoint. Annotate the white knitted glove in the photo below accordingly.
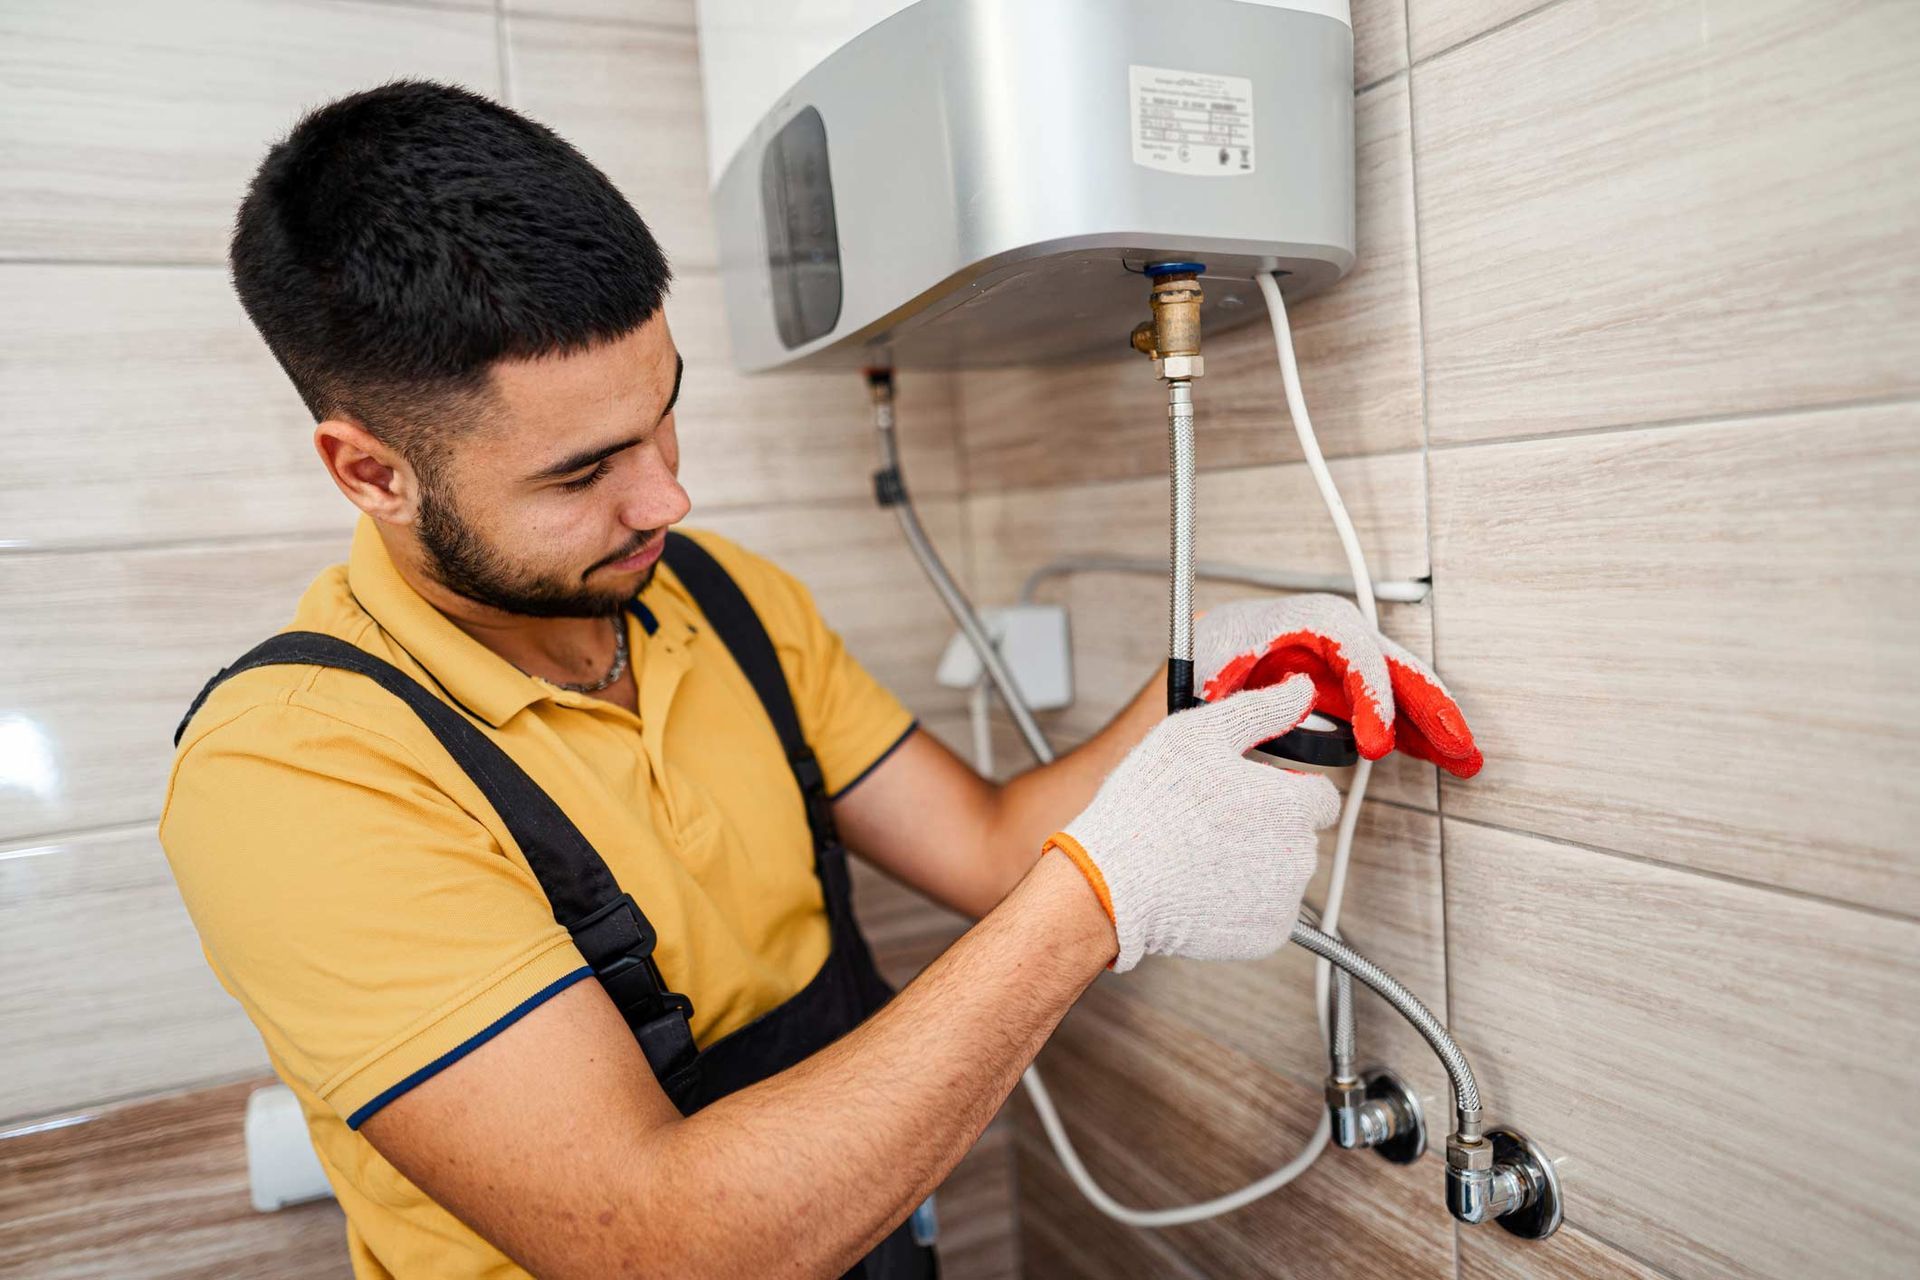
(1392, 698)
(1195, 851)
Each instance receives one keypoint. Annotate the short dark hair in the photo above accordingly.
(399, 241)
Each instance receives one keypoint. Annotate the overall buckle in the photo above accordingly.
(618, 942)
(813, 792)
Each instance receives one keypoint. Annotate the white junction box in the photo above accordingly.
(1033, 641)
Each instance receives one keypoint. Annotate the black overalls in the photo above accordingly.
(611, 932)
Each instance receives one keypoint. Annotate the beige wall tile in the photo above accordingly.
(134, 127)
(1657, 1029)
(1488, 1253)
(137, 404)
(107, 649)
(157, 1189)
(866, 583)
(1063, 1239)
(747, 439)
(1695, 643)
(629, 98)
(1379, 39)
(116, 644)
(1358, 345)
(1268, 516)
(1163, 1115)
(107, 993)
(1644, 211)
(191, 430)
(1434, 25)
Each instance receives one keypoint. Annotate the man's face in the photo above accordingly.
(558, 503)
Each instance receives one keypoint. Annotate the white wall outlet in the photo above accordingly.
(1034, 642)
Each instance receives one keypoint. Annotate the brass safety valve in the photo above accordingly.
(1172, 337)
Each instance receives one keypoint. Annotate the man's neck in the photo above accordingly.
(563, 650)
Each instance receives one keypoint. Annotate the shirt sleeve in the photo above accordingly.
(373, 929)
(851, 720)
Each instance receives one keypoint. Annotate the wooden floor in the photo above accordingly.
(156, 1189)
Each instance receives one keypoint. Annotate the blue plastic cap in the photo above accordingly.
(1157, 269)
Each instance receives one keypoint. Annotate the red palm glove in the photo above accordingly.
(1391, 697)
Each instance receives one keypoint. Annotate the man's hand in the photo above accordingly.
(1391, 697)
(1195, 850)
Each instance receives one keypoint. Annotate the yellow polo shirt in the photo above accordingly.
(359, 897)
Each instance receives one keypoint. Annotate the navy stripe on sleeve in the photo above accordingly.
(471, 1043)
(877, 762)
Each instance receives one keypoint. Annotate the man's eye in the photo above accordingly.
(590, 479)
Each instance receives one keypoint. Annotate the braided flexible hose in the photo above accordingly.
(1466, 1093)
(1180, 550)
(1343, 1050)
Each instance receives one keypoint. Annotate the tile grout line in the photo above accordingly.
(700, 270)
(1232, 468)
(283, 536)
(26, 845)
(624, 24)
(206, 542)
(1623, 1251)
(1785, 891)
(1852, 404)
(1426, 490)
(159, 264)
(1477, 36)
(73, 1114)
(503, 51)
(1892, 400)
(210, 542)
(1361, 90)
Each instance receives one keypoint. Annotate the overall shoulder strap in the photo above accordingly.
(740, 629)
(608, 927)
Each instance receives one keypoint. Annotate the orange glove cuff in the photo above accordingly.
(1078, 856)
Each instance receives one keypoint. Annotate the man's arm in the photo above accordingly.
(555, 1142)
(928, 819)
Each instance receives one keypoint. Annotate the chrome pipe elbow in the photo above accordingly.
(1376, 1111)
(1503, 1177)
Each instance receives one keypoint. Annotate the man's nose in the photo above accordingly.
(657, 498)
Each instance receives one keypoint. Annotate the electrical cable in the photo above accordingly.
(1363, 597)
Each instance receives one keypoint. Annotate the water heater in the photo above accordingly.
(952, 183)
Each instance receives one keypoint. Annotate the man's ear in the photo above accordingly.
(374, 476)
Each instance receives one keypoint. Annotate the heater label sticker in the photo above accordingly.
(1191, 121)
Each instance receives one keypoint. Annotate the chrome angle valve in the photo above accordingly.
(1501, 1176)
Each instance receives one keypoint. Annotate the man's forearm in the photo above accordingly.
(803, 1173)
(1039, 802)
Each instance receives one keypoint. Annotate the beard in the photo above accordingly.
(463, 562)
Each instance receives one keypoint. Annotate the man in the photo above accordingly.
(470, 837)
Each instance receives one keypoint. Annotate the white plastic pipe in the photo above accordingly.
(1363, 597)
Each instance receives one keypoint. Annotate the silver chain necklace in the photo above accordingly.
(618, 669)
